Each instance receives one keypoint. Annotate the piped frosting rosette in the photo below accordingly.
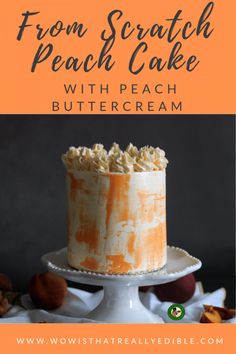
(98, 159)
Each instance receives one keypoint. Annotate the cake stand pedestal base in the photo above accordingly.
(121, 302)
(122, 305)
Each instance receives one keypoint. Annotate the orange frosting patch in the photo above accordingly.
(117, 198)
(138, 257)
(130, 245)
(87, 231)
(74, 182)
(77, 184)
(118, 264)
(90, 263)
(89, 235)
(151, 206)
(153, 245)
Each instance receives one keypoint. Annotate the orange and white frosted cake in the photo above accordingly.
(116, 209)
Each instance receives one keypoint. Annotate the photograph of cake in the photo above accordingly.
(117, 199)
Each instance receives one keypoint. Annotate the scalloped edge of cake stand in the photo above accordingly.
(179, 263)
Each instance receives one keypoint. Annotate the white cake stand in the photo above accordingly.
(121, 302)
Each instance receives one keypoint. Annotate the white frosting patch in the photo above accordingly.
(98, 159)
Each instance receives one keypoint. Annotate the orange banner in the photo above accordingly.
(88, 338)
(117, 57)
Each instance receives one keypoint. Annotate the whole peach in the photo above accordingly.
(178, 291)
(47, 290)
(5, 283)
(4, 304)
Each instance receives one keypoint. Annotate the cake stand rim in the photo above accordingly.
(105, 279)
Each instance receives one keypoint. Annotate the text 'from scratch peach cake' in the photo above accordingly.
(116, 209)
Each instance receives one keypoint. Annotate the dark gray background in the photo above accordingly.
(200, 185)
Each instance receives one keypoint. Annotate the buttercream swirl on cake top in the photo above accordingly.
(98, 159)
